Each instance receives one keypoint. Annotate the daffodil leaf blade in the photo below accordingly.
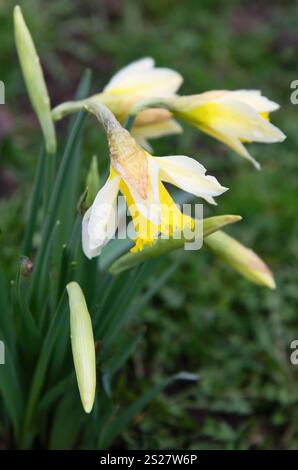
(120, 421)
(10, 389)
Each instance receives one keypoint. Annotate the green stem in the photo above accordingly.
(69, 107)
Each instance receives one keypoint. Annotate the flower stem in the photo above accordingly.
(69, 107)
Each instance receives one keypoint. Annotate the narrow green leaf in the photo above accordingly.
(82, 92)
(92, 182)
(127, 308)
(122, 351)
(6, 317)
(49, 179)
(35, 201)
(112, 251)
(161, 247)
(156, 285)
(55, 198)
(28, 328)
(43, 362)
(40, 285)
(117, 425)
(67, 421)
(105, 288)
(115, 310)
(68, 201)
(10, 389)
(56, 391)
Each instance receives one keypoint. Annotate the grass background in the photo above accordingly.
(206, 319)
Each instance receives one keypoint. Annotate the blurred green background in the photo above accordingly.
(206, 319)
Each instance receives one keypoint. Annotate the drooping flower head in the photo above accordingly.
(150, 93)
(139, 177)
(233, 117)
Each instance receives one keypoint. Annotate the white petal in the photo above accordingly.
(253, 98)
(189, 175)
(141, 65)
(101, 225)
(89, 252)
(143, 79)
(236, 144)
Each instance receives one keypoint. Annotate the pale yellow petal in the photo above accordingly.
(189, 175)
(143, 79)
(254, 99)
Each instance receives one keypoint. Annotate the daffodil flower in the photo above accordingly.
(139, 176)
(136, 82)
(233, 117)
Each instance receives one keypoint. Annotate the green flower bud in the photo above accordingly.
(82, 342)
(34, 79)
(242, 259)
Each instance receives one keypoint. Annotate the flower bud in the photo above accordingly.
(34, 79)
(242, 259)
(82, 342)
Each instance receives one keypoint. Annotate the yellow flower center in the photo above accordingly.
(173, 221)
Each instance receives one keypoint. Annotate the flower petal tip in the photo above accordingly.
(256, 164)
(234, 218)
(282, 136)
(88, 405)
(269, 281)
